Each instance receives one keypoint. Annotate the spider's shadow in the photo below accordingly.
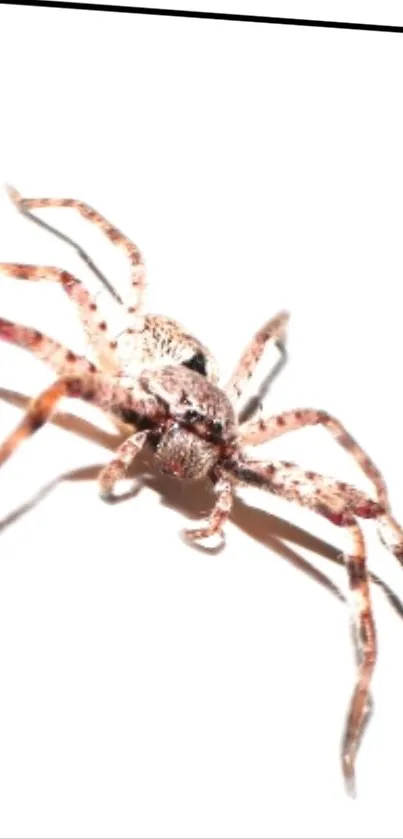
(193, 500)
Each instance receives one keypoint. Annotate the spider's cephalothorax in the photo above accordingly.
(161, 386)
(203, 429)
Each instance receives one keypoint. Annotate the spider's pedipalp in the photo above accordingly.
(262, 430)
(224, 499)
(273, 330)
(61, 359)
(137, 286)
(117, 468)
(87, 309)
(164, 341)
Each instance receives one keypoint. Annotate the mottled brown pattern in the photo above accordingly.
(162, 385)
(82, 301)
(222, 508)
(260, 431)
(273, 330)
(61, 359)
(365, 638)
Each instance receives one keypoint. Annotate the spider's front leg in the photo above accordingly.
(61, 359)
(342, 505)
(95, 327)
(218, 516)
(137, 287)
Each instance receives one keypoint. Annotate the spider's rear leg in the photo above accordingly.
(364, 627)
(218, 516)
(342, 505)
(117, 468)
(273, 330)
(87, 309)
(262, 430)
(137, 287)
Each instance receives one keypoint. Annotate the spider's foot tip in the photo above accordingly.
(351, 788)
(13, 194)
(349, 778)
(204, 540)
(108, 496)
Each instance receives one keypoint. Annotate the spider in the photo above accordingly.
(162, 385)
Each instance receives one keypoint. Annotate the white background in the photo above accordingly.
(147, 689)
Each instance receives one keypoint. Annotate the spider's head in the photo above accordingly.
(201, 425)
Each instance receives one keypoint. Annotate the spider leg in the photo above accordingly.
(365, 635)
(61, 359)
(273, 330)
(136, 294)
(261, 430)
(124, 404)
(117, 468)
(342, 505)
(254, 405)
(329, 497)
(218, 515)
(95, 328)
(64, 238)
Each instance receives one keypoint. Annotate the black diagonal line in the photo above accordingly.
(141, 10)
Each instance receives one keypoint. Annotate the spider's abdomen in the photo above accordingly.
(164, 341)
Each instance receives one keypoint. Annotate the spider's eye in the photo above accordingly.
(216, 427)
(197, 363)
(192, 416)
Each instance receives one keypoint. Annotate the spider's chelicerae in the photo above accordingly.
(162, 385)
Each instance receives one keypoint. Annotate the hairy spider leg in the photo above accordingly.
(145, 338)
(95, 327)
(138, 281)
(260, 431)
(273, 330)
(219, 514)
(117, 468)
(92, 387)
(342, 505)
(365, 637)
(61, 359)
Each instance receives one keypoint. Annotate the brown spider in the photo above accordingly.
(161, 384)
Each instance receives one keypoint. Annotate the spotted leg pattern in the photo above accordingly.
(117, 468)
(96, 329)
(94, 388)
(342, 505)
(137, 287)
(273, 330)
(218, 516)
(260, 431)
